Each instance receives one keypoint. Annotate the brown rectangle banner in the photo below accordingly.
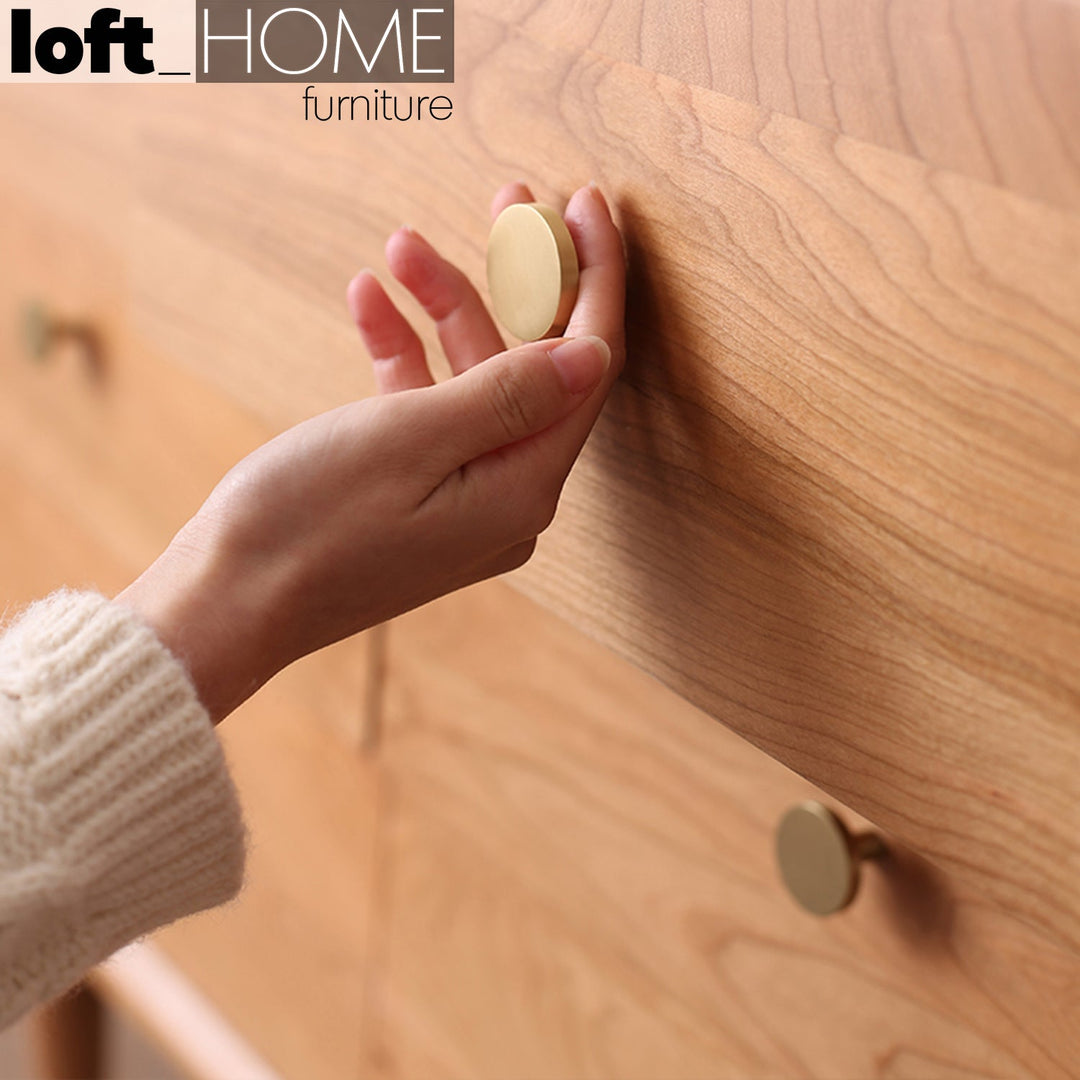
(355, 41)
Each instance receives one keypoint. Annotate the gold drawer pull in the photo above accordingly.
(41, 330)
(532, 271)
(820, 859)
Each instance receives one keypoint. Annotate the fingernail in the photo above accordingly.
(597, 194)
(581, 362)
(417, 237)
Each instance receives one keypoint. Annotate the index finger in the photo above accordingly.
(601, 303)
(517, 191)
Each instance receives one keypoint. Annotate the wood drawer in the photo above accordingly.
(286, 964)
(130, 442)
(576, 879)
(571, 875)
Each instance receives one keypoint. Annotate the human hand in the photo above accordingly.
(381, 505)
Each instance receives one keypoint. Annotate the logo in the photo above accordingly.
(59, 49)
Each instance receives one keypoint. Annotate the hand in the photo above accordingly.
(376, 507)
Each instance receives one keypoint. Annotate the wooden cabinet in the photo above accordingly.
(834, 504)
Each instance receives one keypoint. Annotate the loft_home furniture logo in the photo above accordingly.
(228, 41)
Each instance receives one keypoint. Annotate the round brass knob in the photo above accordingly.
(820, 859)
(36, 331)
(41, 330)
(532, 271)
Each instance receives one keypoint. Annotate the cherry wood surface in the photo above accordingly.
(835, 501)
(988, 90)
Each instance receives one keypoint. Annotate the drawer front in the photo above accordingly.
(577, 880)
(131, 442)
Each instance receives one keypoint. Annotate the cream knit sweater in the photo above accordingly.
(117, 813)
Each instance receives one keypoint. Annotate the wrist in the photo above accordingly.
(212, 616)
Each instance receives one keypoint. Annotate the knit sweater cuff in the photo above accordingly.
(122, 780)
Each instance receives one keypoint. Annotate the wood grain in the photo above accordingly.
(577, 880)
(838, 499)
(988, 90)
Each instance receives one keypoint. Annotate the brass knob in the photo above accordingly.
(41, 330)
(820, 859)
(532, 271)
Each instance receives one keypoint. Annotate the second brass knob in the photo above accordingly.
(820, 859)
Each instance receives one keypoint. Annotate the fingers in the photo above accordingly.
(524, 481)
(526, 478)
(514, 192)
(514, 395)
(397, 353)
(466, 330)
(601, 301)
(600, 310)
(512, 558)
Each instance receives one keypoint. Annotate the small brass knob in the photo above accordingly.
(532, 271)
(820, 859)
(41, 330)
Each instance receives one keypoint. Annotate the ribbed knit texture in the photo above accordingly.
(117, 812)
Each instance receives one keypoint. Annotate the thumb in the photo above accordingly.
(513, 395)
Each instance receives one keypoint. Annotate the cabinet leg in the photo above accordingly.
(67, 1037)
